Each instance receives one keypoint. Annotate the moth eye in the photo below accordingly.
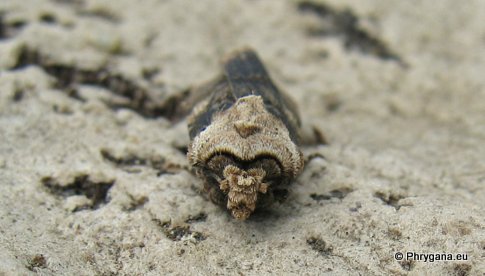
(270, 166)
(218, 163)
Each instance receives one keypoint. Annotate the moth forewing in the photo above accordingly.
(244, 137)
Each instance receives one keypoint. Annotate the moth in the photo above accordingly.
(244, 137)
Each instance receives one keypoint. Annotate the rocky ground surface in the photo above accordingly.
(93, 174)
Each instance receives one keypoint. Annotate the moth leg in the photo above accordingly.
(215, 195)
(310, 135)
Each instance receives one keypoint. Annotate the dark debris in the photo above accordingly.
(3, 27)
(390, 199)
(48, 18)
(101, 14)
(461, 269)
(18, 95)
(357, 207)
(37, 261)
(77, 3)
(160, 165)
(337, 193)
(197, 218)
(345, 24)
(407, 265)
(68, 77)
(150, 73)
(97, 192)
(320, 246)
(9, 29)
(136, 203)
(179, 232)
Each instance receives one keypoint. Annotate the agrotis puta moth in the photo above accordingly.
(244, 136)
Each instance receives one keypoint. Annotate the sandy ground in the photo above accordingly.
(94, 178)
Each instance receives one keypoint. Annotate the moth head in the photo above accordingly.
(242, 188)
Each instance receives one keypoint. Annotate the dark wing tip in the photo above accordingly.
(239, 54)
(244, 65)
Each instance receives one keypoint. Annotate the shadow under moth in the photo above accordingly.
(244, 135)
